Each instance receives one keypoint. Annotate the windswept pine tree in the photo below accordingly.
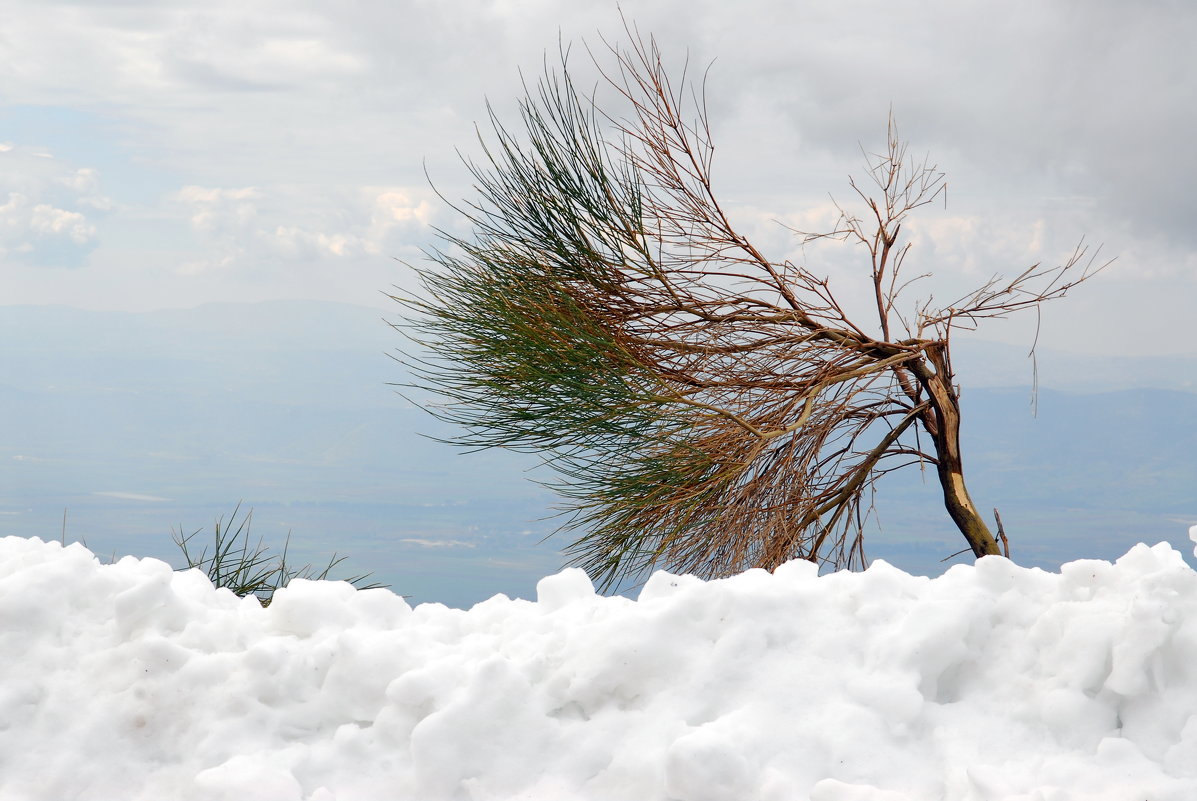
(707, 409)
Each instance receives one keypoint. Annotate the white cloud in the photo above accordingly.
(45, 220)
(85, 184)
(425, 543)
(395, 211)
(246, 226)
(294, 241)
(393, 206)
(220, 210)
(132, 496)
(273, 61)
(223, 261)
(45, 216)
(978, 246)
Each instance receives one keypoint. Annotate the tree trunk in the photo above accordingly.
(944, 428)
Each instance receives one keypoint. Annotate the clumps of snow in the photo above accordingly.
(991, 682)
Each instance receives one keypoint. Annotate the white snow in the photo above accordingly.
(989, 683)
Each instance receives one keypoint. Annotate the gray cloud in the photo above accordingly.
(1052, 120)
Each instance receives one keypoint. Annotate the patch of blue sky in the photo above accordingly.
(119, 149)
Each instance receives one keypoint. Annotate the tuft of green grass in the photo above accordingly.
(247, 568)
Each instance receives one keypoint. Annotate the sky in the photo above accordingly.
(166, 154)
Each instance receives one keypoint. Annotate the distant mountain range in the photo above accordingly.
(135, 423)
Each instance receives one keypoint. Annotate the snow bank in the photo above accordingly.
(130, 681)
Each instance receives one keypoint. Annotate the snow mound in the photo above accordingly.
(131, 681)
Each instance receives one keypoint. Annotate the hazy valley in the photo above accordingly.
(137, 423)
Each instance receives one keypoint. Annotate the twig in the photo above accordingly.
(953, 556)
(1002, 534)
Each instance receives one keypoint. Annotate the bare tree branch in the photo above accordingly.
(708, 409)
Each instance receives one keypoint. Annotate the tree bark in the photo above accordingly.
(943, 424)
